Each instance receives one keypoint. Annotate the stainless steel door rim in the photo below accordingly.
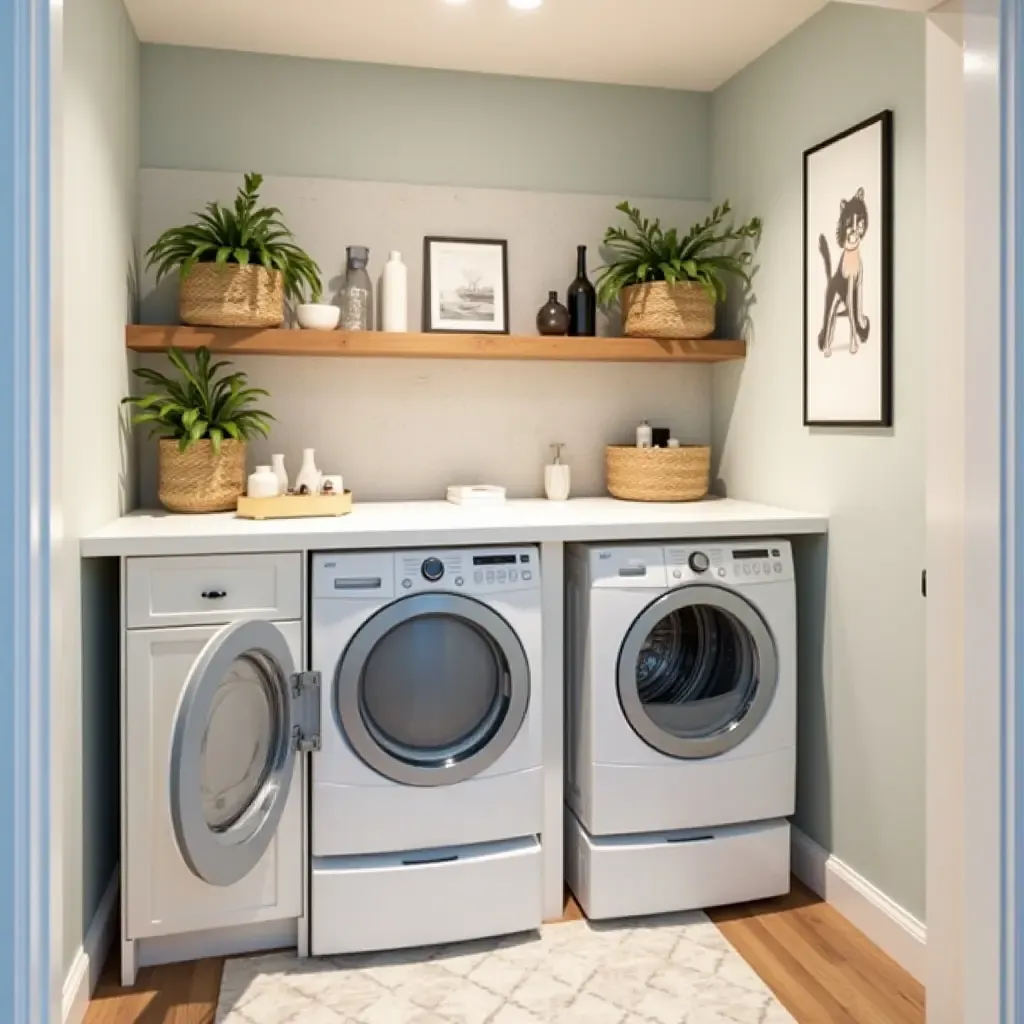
(223, 835)
(753, 663)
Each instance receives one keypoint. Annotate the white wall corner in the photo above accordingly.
(87, 966)
(895, 931)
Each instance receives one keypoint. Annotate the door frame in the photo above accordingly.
(29, 984)
(975, 470)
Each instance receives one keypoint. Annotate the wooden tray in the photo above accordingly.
(295, 506)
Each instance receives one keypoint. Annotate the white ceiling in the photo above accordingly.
(680, 44)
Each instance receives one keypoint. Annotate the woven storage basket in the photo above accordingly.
(196, 480)
(662, 310)
(658, 474)
(228, 295)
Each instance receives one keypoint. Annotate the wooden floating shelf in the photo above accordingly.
(245, 341)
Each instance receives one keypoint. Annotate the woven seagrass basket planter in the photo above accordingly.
(658, 474)
(662, 310)
(228, 295)
(197, 480)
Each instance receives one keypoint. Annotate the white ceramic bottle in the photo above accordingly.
(263, 483)
(557, 477)
(309, 475)
(644, 435)
(281, 473)
(395, 301)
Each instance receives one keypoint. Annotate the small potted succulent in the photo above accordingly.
(317, 315)
(203, 419)
(237, 263)
(669, 285)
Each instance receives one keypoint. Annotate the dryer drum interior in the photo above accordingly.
(697, 672)
(433, 689)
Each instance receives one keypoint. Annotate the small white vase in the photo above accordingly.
(263, 483)
(317, 316)
(395, 298)
(309, 476)
(281, 473)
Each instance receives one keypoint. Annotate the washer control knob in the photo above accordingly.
(699, 562)
(432, 569)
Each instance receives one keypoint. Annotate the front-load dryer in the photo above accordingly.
(681, 724)
(427, 794)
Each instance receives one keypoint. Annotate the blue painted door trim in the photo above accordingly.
(24, 513)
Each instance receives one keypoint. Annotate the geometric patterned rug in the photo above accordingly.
(676, 969)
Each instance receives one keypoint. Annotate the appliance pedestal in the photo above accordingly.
(638, 875)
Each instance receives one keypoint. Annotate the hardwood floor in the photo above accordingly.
(819, 966)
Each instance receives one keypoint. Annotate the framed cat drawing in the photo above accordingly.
(848, 277)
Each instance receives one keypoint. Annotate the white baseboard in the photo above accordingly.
(890, 927)
(92, 954)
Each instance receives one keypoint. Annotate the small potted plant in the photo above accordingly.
(237, 263)
(669, 285)
(317, 315)
(203, 419)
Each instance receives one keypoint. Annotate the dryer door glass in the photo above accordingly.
(232, 753)
(433, 689)
(697, 672)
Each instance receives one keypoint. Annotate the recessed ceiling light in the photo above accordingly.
(525, 5)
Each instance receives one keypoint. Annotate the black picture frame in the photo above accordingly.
(433, 321)
(818, 337)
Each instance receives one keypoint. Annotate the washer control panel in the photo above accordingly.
(469, 570)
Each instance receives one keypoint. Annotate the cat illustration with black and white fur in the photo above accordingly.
(844, 293)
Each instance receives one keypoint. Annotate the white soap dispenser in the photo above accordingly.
(644, 435)
(557, 477)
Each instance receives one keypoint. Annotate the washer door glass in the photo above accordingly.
(697, 672)
(433, 689)
(232, 753)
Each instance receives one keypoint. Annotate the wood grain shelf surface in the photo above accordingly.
(286, 342)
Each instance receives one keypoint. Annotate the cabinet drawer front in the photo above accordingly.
(213, 590)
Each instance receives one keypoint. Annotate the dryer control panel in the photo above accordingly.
(741, 562)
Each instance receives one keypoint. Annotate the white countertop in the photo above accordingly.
(439, 524)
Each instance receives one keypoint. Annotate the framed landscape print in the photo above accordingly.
(465, 286)
(848, 277)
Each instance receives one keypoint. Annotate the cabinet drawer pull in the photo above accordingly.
(214, 595)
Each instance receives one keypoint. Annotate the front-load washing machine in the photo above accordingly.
(681, 724)
(427, 794)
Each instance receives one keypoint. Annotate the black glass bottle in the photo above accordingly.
(582, 300)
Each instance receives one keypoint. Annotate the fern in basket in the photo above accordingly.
(647, 253)
(244, 234)
(200, 405)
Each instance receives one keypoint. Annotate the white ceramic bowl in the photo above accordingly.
(316, 316)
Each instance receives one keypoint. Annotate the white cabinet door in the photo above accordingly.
(213, 788)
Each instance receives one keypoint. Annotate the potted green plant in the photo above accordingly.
(237, 263)
(203, 419)
(669, 285)
(317, 315)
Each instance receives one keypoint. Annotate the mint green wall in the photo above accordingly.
(861, 790)
(223, 111)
